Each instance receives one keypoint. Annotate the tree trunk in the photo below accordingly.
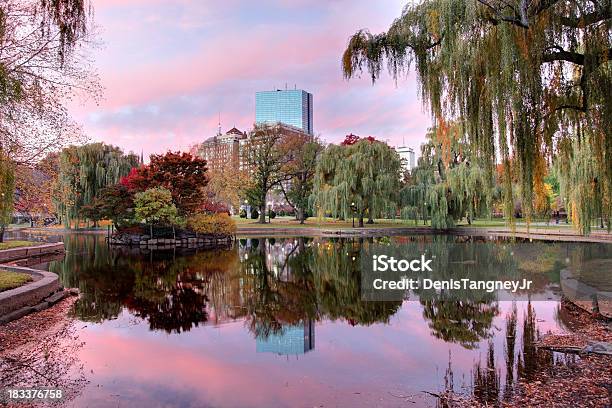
(360, 220)
(151, 230)
(262, 214)
(2, 228)
(301, 217)
(370, 219)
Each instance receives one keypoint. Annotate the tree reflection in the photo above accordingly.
(269, 283)
(463, 322)
(300, 280)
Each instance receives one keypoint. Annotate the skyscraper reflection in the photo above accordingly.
(291, 340)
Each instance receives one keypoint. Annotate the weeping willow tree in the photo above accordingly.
(83, 172)
(361, 178)
(7, 189)
(584, 189)
(523, 75)
(450, 182)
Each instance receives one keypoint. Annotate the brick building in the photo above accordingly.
(222, 150)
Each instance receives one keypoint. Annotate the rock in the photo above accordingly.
(56, 297)
(599, 347)
(17, 314)
(42, 306)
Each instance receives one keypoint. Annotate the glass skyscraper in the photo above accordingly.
(291, 107)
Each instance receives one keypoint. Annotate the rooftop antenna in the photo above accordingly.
(142, 156)
(285, 86)
(219, 131)
(403, 141)
(295, 86)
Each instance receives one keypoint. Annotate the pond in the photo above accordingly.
(281, 323)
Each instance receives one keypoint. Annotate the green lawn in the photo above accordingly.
(314, 222)
(330, 223)
(17, 244)
(11, 280)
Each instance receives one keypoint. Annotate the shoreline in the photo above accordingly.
(267, 230)
(42, 292)
(560, 234)
(584, 381)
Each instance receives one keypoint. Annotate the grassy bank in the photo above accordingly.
(314, 222)
(290, 222)
(17, 244)
(11, 280)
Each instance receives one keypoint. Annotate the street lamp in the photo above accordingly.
(270, 204)
(353, 208)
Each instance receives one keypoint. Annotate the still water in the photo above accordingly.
(280, 323)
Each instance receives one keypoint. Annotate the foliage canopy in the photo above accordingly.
(524, 76)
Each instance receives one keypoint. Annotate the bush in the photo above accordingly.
(243, 213)
(212, 208)
(272, 214)
(213, 224)
(254, 214)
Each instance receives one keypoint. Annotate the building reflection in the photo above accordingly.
(290, 340)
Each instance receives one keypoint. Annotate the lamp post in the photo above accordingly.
(270, 203)
(353, 208)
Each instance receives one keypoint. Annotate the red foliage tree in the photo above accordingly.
(181, 173)
(215, 207)
(133, 181)
(351, 139)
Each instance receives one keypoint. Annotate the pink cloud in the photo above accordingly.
(170, 68)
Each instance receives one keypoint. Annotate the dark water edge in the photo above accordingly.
(280, 322)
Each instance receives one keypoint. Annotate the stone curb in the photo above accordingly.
(45, 304)
(378, 232)
(45, 284)
(537, 234)
(13, 254)
(336, 232)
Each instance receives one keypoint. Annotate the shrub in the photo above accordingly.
(254, 214)
(213, 224)
(215, 207)
(243, 213)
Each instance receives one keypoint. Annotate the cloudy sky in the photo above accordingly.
(170, 67)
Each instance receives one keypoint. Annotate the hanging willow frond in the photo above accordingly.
(519, 75)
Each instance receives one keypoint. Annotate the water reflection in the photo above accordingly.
(272, 283)
(238, 309)
(290, 340)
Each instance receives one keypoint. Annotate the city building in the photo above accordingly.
(291, 107)
(292, 340)
(222, 150)
(407, 156)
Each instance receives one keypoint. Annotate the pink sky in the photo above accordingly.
(170, 67)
